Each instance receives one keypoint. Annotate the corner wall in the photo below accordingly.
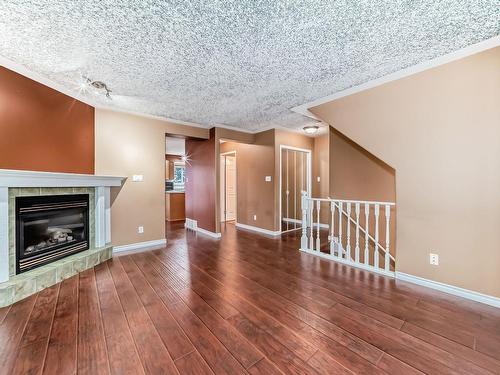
(255, 196)
(126, 145)
(201, 187)
(440, 130)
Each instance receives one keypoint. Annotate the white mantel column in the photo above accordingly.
(102, 216)
(4, 234)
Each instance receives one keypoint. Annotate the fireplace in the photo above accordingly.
(50, 228)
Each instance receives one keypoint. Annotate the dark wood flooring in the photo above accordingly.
(243, 304)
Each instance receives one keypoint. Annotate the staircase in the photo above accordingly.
(358, 232)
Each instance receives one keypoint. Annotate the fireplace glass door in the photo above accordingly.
(49, 228)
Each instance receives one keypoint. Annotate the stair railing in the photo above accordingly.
(353, 232)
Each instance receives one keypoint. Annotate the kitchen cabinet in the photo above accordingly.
(175, 207)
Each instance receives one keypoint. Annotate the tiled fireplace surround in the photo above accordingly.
(26, 183)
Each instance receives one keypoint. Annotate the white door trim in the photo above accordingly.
(223, 188)
(309, 174)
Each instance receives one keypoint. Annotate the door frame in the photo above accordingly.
(308, 183)
(223, 187)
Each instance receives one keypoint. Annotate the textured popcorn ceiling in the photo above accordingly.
(242, 63)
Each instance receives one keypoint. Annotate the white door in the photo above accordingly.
(230, 188)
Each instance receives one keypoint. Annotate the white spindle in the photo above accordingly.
(332, 228)
(367, 230)
(339, 244)
(348, 229)
(349, 213)
(303, 238)
(318, 242)
(375, 254)
(387, 237)
(311, 224)
(295, 190)
(356, 248)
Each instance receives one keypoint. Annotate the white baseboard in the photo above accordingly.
(258, 230)
(140, 246)
(208, 233)
(193, 225)
(190, 224)
(450, 289)
(297, 221)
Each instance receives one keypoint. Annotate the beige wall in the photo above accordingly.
(126, 145)
(255, 196)
(256, 159)
(321, 168)
(285, 138)
(225, 134)
(440, 130)
(358, 175)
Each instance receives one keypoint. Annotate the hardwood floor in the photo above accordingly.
(243, 304)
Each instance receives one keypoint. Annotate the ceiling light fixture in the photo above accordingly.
(311, 129)
(99, 86)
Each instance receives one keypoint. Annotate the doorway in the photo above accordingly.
(295, 177)
(228, 186)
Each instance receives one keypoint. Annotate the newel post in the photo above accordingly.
(305, 209)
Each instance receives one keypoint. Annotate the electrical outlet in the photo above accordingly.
(318, 179)
(268, 178)
(254, 217)
(137, 178)
(434, 259)
(140, 229)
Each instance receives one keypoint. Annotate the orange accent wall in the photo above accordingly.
(42, 129)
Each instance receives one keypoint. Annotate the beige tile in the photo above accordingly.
(23, 288)
(92, 260)
(13, 192)
(6, 295)
(55, 191)
(46, 279)
(64, 271)
(80, 264)
(29, 191)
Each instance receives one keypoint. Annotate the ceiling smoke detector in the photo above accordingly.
(311, 129)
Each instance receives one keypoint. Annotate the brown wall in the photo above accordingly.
(42, 129)
(201, 184)
(126, 145)
(440, 130)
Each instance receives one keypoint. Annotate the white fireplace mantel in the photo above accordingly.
(22, 179)
(15, 178)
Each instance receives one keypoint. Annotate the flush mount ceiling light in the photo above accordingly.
(311, 129)
(98, 86)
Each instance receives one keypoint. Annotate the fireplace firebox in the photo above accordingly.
(50, 228)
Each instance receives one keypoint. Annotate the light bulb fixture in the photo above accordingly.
(311, 129)
(99, 86)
